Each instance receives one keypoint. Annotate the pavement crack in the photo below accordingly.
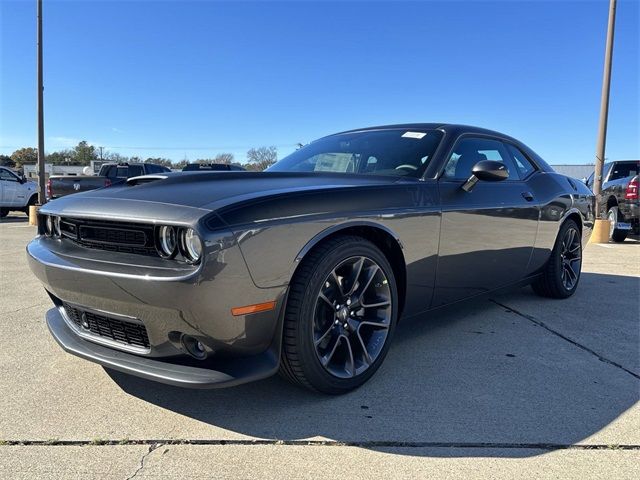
(152, 447)
(25, 308)
(155, 444)
(567, 339)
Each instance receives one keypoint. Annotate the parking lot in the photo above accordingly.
(509, 387)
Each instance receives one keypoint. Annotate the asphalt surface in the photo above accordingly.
(510, 387)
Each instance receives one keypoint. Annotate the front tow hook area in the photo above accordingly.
(233, 372)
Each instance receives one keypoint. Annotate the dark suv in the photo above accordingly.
(619, 197)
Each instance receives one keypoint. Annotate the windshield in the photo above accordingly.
(398, 152)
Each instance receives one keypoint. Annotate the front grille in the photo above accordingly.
(121, 237)
(127, 333)
(118, 236)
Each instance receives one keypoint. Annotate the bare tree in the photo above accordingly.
(226, 158)
(258, 159)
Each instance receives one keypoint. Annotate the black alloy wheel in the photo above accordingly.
(352, 317)
(340, 316)
(571, 256)
(561, 273)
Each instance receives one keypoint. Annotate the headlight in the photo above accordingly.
(48, 225)
(191, 245)
(56, 227)
(167, 241)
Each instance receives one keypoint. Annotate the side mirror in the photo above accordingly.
(488, 171)
(23, 179)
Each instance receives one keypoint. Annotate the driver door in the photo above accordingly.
(10, 185)
(486, 234)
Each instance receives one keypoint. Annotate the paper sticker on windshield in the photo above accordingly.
(417, 135)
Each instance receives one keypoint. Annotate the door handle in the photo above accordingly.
(528, 196)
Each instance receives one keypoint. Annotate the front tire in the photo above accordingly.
(561, 274)
(616, 234)
(340, 317)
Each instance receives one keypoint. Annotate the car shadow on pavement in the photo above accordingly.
(486, 373)
(15, 219)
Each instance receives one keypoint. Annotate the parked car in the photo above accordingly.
(205, 167)
(16, 192)
(109, 174)
(619, 197)
(209, 280)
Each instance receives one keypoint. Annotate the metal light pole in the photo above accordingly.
(604, 108)
(41, 183)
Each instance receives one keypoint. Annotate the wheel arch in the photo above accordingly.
(612, 201)
(575, 216)
(381, 236)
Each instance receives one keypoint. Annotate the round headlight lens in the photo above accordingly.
(48, 225)
(167, 241)
(56, 226)
(192, 245)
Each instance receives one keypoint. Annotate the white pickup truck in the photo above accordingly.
(16, 193)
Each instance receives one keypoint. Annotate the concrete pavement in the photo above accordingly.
(512, 387)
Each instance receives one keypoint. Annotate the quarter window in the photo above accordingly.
(523, 165)
(469, 151)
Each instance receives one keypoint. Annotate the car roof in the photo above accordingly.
(454, 128)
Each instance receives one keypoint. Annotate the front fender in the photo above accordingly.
(274, 252)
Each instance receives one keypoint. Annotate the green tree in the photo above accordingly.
(258, 159)
(5, 161)
(24, 155)
(83, 153)
(63, 157)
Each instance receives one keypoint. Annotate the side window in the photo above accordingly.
(135, 171)
(522, 164)
(152, 169)
(470, 150)
(110, 171)
(7, 175)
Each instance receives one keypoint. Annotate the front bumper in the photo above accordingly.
(170, 302)
(230, 373)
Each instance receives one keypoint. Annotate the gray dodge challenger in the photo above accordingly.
(212, 279)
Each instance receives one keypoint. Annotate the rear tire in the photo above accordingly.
(340, 316)
(616, 234)
(32, 201)
(561, 274)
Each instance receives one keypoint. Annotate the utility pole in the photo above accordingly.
(41, 183)
(100, 153)
(604, 108)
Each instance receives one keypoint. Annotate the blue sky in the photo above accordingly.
(193, 79)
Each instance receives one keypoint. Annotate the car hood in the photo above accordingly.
(187, 196)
